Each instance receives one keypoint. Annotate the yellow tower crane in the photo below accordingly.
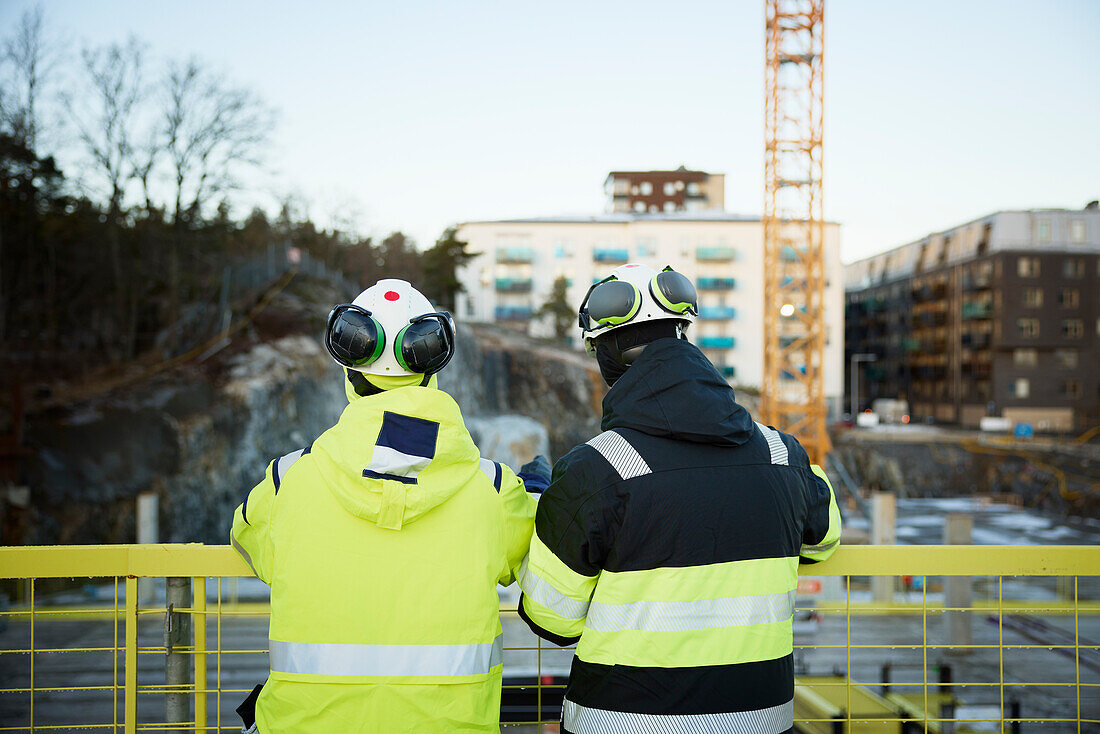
(792, 393)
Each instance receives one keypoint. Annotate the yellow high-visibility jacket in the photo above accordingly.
(383, 543)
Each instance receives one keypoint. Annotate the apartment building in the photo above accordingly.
(721, 252)
(996, 317)
(665, 191)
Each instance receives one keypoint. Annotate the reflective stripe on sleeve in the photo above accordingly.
(583, 720)
(818, 548)
(542, 591)
(677, 616)
(244, 554)
(329, 658)
(623, 457)
(775, 444)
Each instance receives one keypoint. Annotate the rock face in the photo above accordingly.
(202, 444)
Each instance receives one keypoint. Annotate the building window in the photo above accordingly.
(639, 206)
(1071, 389)
(670, 188)
(1066, 358)
(1077, 230)
(1021, 388)
(1033, 297)
(1073, 328)
(1027, 267)
(646, 188)
(1073, 267)
(646, 247)
(1025, 357)
(693, 188)
(670, 206)
(1027, 328)
(1042, 230)
(1069, 298)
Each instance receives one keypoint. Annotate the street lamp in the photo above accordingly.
(856, 359)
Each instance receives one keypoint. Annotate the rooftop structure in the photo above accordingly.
(665, 191)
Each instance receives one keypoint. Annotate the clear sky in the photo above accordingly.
(414, 115)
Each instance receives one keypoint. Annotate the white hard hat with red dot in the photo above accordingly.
(390, 329)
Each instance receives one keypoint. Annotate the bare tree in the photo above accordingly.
(31, 60)
(212, 130)
(107, 118)
(28, 62)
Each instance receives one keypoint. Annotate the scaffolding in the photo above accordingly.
(793, 396)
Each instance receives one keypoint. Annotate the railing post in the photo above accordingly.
(177, 667)
(200, 653)
(130, 696)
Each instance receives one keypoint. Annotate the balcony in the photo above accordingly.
(617, 255)
(975, 340)
(728, 371)
(513, 313)
(715, 284)
(714, 254)
(515, 255)
(933, 318)
(911, 345)
(716, 342)
(514, 285)
(976, 282)
(977, 310)
(717, 312)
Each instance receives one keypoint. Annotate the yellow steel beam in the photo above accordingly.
(860, 560)
(129, 720)
(198, 624)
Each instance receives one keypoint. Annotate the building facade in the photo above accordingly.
(655, 192)
(722, 253)
(995, 317)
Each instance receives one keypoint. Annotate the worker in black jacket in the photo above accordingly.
(667, 547)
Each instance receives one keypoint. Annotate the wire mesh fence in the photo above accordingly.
(966, 639)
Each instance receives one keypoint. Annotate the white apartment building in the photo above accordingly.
(722, 253)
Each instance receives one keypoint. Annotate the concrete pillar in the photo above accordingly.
(146, 519)
(884, 514)
(958, 589)
(177, 661)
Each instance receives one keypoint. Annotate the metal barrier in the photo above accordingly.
(1015, 648)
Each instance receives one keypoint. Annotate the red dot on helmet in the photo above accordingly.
(392, 296)
(632, 266)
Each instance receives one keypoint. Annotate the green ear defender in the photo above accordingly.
(426, 344)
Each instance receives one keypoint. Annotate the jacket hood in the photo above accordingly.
(673, 390)
(394, 456)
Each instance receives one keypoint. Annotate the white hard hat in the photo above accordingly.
(390, 329)
(634, 294)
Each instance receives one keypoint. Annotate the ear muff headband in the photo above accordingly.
(353, 336)
(673, 292)
(426, 344)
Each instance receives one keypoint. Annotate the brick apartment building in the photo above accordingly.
(665, 191)
(996, 317)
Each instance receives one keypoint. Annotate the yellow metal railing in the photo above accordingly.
(79, 643)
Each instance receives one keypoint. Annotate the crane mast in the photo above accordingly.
(792, 393)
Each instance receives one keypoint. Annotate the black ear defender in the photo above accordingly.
(426, 344)
(353, 336)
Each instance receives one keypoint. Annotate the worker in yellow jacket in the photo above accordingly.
(383, 543)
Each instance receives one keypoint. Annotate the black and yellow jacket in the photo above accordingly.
(668, 548)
